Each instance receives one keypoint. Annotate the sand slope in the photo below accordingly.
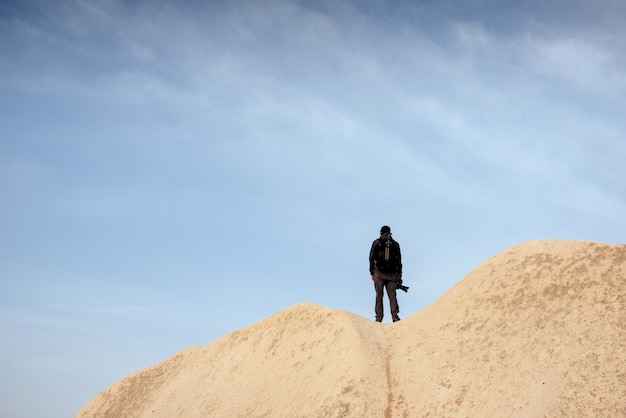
(536, 330)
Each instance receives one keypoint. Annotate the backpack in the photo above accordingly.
(387, 255)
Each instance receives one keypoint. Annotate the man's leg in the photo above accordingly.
(379, 285)
(393, 300)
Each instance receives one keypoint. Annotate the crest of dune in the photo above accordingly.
(536, 330)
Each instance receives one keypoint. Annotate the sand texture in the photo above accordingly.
(538, 330)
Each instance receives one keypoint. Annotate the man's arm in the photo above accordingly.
(399, 274)
(372, 264)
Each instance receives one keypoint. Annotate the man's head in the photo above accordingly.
(385, 229)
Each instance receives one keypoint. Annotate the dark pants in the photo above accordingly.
(384, 281)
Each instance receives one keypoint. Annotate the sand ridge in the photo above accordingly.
(536, 330)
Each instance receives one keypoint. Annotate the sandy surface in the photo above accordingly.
(536, 330)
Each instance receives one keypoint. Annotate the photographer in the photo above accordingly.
(386, 271)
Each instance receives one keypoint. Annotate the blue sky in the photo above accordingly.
(172, 171)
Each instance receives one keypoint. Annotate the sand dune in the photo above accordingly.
(536, 330)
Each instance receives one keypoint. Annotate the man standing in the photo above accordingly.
(386, 271)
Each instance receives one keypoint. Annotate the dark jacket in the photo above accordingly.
(384, 236)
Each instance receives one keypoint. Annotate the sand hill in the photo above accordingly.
(536, 330)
